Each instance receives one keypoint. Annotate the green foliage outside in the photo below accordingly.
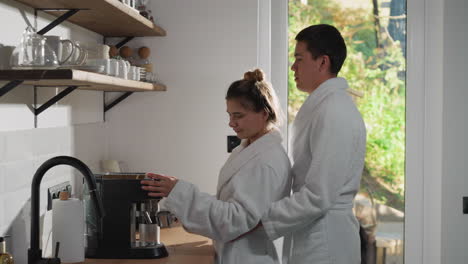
(379, 74)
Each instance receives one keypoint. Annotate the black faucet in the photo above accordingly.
(35, 253)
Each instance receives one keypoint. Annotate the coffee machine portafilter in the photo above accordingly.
(130, 228)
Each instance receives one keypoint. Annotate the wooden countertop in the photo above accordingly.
(182, 247)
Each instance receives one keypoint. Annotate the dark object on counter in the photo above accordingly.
(166, 219)
(130, 229)
(232, 143)
(34, 252)
(5, 257)
(368, 247)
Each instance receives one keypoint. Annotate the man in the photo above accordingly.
(328, 150)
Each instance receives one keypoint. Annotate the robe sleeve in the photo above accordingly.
(332, 140)
(224, 221)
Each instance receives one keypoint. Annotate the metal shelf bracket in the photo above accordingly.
(116, 101)
(51, 101)
(123, 42)
(70, 12)
(9, 86)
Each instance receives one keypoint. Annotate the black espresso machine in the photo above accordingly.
(130, 226)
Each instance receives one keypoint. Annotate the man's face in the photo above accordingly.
(307, 71)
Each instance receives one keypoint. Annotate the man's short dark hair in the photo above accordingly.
(325, 40)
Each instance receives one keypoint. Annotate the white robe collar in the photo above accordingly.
(327, 87)
(244, 153)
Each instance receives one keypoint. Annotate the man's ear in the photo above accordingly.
(325, 63)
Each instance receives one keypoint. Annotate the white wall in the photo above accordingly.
(455, 132)
(279, 57)
(182, 132)
(435, 228)
(71, 127)
(424, 132)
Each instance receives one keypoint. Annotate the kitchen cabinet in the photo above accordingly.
(183, 247)
(109, 18)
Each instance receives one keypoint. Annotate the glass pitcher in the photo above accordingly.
(33, 52)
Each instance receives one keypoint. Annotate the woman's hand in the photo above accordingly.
(159, 185)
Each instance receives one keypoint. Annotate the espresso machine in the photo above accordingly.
(130, 226)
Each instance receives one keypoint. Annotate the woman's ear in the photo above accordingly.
(265, 115)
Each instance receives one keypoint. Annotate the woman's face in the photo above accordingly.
(245, 122)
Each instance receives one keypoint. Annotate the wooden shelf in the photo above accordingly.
(109, 18)
(85, 80)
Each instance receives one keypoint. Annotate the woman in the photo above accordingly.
(255, 175)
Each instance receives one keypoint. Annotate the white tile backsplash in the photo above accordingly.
(3, 223)
(31, 148)
(65, 139)
(17, 219)
(17, 175)
(14, 203)
(15, 107)
(18, 145)
(2, 182)
(2, 147)
(42, 145)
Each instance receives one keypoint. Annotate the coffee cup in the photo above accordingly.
(63, 48)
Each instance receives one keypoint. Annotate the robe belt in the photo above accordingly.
(344, 206)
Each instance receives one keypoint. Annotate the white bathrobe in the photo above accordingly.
(252, 178)
(328, 150)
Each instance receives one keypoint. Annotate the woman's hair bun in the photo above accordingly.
(255, 75)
